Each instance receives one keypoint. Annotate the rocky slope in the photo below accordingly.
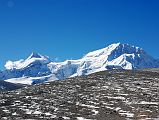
(107, 95)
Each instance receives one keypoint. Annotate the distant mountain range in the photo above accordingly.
(38, 68)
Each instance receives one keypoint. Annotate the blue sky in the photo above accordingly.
(68, 29)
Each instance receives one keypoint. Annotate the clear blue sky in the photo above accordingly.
(68, 29)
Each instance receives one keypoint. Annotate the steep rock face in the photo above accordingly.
(131, 57)
(37, 68)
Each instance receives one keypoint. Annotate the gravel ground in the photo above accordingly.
(107, 95)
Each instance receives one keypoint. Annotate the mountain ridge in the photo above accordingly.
(38, 68)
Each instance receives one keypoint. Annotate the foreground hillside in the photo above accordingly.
(108, 95)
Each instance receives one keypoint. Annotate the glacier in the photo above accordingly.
(38, 68)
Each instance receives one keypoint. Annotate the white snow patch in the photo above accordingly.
(48, 114)
(81, 118)
(14, 113)
(67, 118)
(37, 112)
(149, 103)
(126, 113)
(26, 80)
(89, 106)
(95, 112)
(118, 97)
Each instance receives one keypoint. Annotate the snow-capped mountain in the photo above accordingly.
(34, 66)
(37, 68)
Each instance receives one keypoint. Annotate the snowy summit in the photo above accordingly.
(34, 57)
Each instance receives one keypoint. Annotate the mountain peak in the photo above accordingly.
(107, 50)
(123, 46)
(32, 59)
(35, 55)
(115, 48)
